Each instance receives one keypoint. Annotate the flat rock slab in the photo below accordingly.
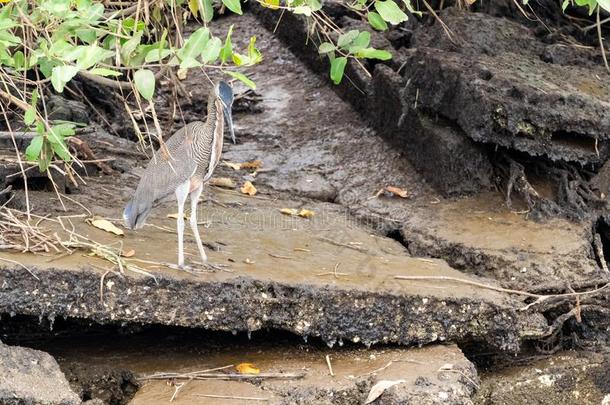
(478, 235)
(324, 277)
(431, 375)
(508, 93)
(564, 378)
(30, 376)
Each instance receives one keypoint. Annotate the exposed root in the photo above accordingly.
(574, 196)
(517, 181)
(599, 252)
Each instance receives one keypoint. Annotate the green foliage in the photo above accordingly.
(337, 67)
(63, 38)
(390, 12)
(145, 83)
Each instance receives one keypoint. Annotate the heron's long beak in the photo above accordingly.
(229, 119)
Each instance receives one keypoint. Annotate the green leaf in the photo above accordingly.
(86, 35)
(306, 10)
(105, 72)
(35, 96)
(390, 12)
(233, 5)
(60, 131)
(254, 54)
(592, 4)
(130, 46)
(194, 7)
(337, 67)
(362, 41)
(239, 59)
(377, 22)
(61, 149)
(156, 55)
(60, 75)
(315, 5)
(372, 53)
(207, 12)
(145, 83)
(243, 78)
(91, 55)
(195, 44)
(33, 150)
(412, 10)
(19, 60)
(30, 116)
(326, 47)
(604, 4)
(347, 38)
(212, 50)
(272, 4)
(190, 63)
(227, 50)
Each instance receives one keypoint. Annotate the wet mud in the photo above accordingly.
(468, 150)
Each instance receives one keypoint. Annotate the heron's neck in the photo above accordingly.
(213, 113)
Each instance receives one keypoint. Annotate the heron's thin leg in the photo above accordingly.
(182, 192)
(194, 200)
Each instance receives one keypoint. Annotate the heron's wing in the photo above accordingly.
(171, 165)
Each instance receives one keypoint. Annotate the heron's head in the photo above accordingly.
(224, 93)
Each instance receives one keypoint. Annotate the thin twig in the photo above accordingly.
(232, 397)
(601, 40)
(4, 259)
(330, 367)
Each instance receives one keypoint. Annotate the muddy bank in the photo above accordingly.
(435, 374)
(333, 276)
(566, 377)
(517, 106)
(342, 287)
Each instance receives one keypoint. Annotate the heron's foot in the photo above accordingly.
(212, 267)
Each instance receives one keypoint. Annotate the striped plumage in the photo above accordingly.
(183, 164)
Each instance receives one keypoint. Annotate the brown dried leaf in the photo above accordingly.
(234, 166)
(247, 368)
(248, 188)
(253, 164)
(129, 253)
(106, 225)
(289, 211)
(175, 216)
(306, 213)
(397, 191)
(378, 389)
(222, 182)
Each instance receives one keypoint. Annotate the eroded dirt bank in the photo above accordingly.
(333, 276)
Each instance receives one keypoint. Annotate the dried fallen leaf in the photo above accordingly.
(248, 188)
(289, 211)
(222, 182)
(306, 213)
(234, 166)
(175, 216)
(397, 191)
(253, 164)
(247, 368)
(380, 388)
(106, 225)
(303, 213)
(129, 253)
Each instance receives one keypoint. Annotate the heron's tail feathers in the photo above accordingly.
(136, 212)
